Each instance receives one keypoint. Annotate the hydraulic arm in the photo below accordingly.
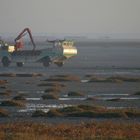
(18, 43)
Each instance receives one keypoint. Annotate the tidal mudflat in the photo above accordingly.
(31, 95)
(90, 89)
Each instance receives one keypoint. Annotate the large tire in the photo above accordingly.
(20, 64)
(60, 64)
(46, 63)
(5, 61)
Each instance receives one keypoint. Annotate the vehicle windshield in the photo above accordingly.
(68, 43)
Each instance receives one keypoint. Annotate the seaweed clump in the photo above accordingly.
(2, 82)
(3, 113)
(74, 93)
(117, 79)
(137, 93)
(63, 78)
(19, 97)
(49, 96)
(91, 111)
(12, 103)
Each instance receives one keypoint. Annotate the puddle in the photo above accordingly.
(33, 99)
(41, 91)
(66, 95)
(43, 107)
(99, 97)
(84, 81)
(119, 107)
(113, 96)
(104, 94)
(31, 110)
(130, 98)
(31, 91)
(122, 98)
(67, 99)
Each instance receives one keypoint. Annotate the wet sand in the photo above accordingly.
(112, 95)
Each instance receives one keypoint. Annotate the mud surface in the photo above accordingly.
(31, 83)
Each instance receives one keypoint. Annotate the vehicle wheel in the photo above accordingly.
(5, 61)
(60, 64)
(20, 64)
(46, 63)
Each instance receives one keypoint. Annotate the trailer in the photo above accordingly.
(58, 53)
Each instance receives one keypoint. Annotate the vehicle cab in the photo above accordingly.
(69, 50)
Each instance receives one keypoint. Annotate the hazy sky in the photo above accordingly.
(70, 16)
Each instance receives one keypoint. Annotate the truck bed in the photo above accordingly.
(26, 53)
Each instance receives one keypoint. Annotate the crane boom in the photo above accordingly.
(22, 34)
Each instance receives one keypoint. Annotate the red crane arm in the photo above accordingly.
(22, 34)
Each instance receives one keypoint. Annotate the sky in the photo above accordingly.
(76, 17)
